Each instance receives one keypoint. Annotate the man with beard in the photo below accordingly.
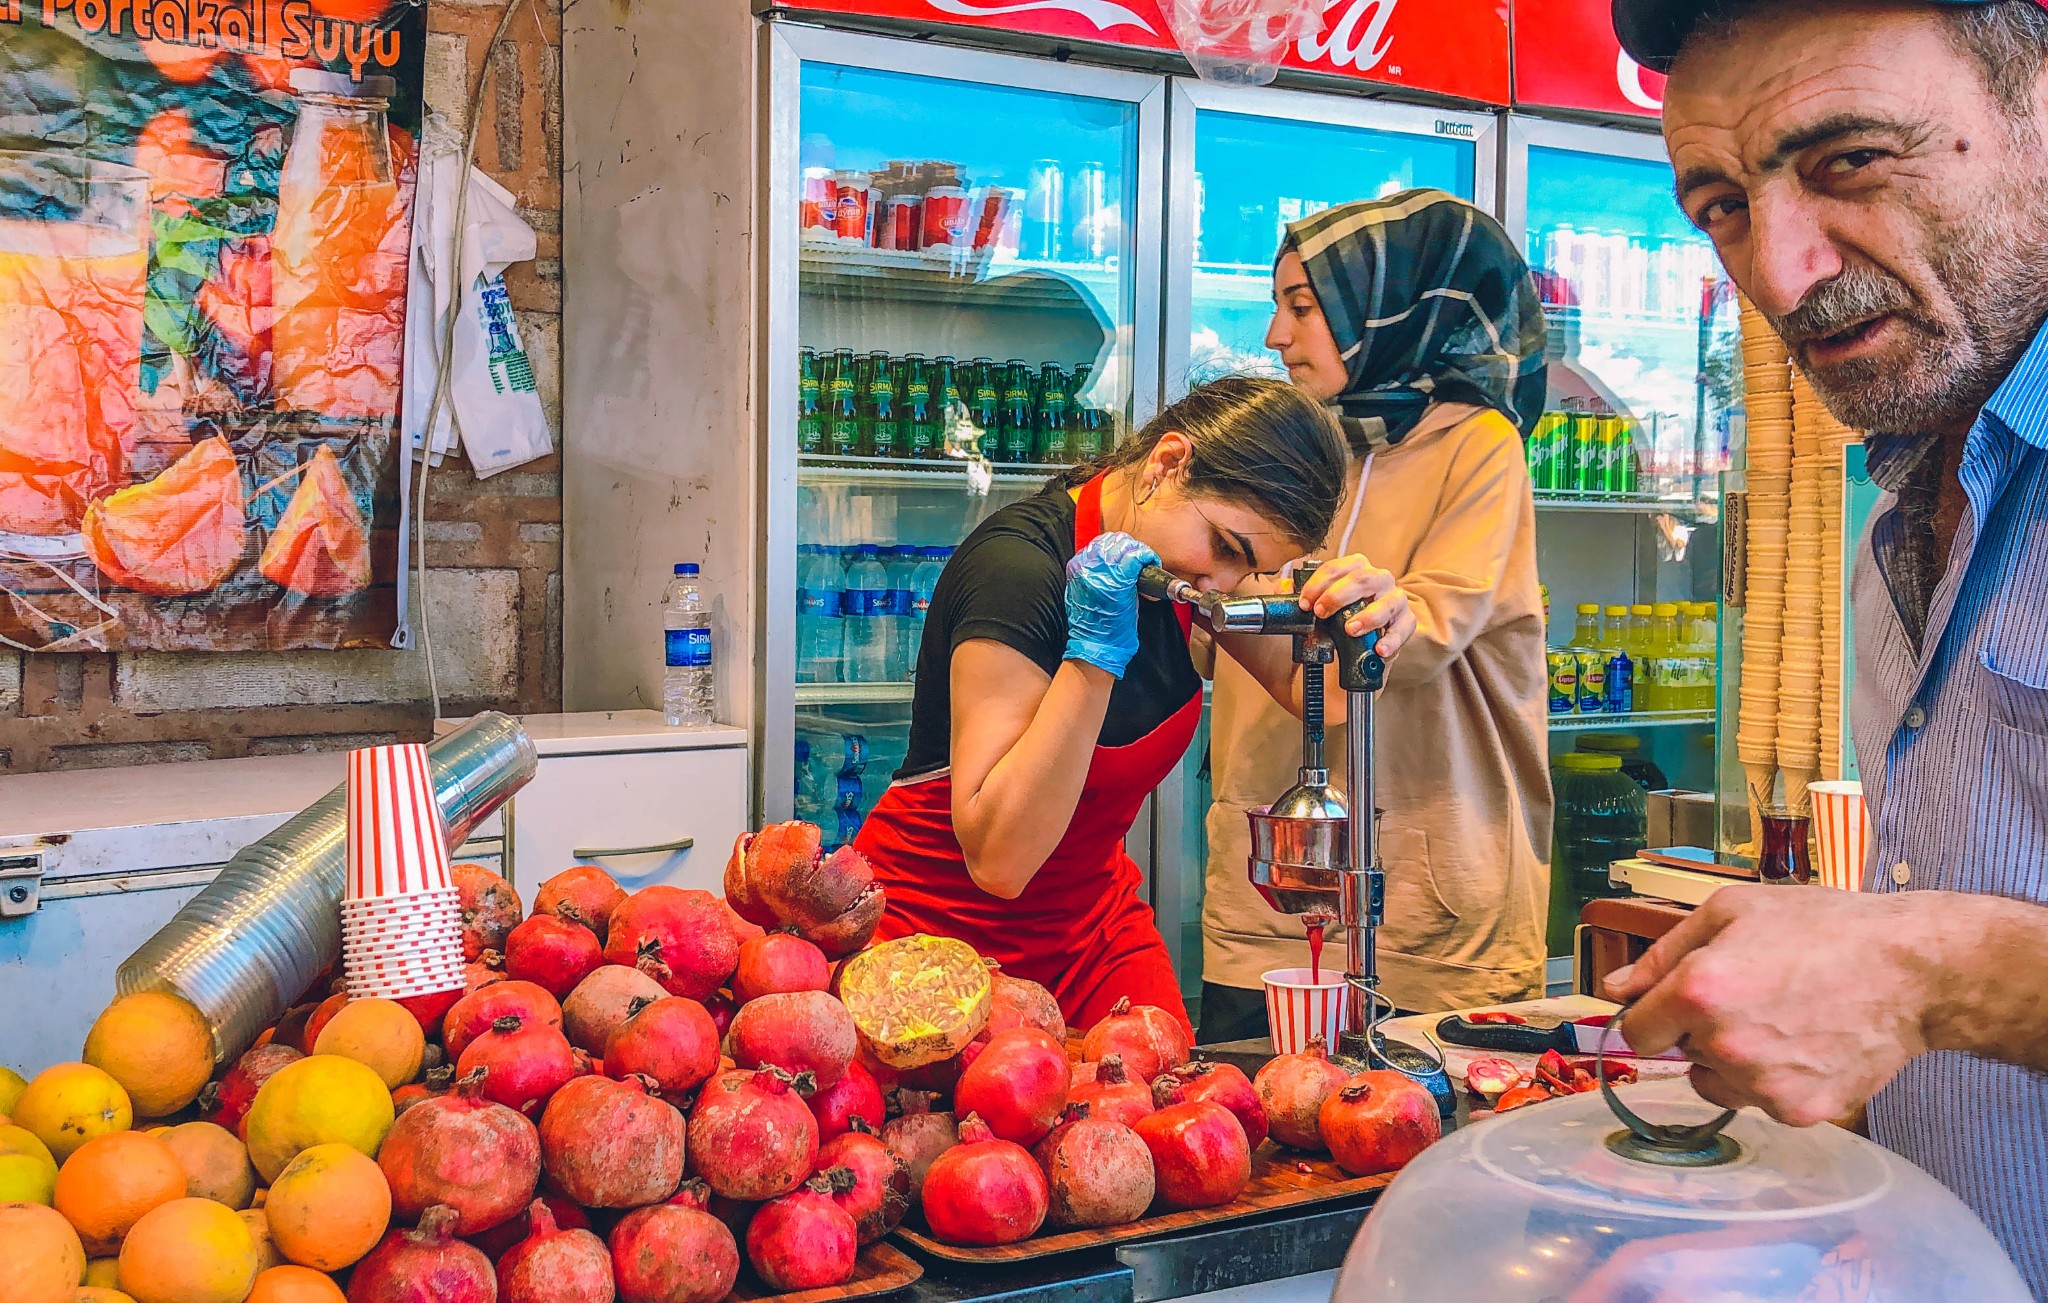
(1871, 172)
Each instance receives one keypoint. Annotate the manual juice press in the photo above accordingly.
(1315, 854)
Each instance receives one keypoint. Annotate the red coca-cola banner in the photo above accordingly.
(1567, 57)
(1450, 47)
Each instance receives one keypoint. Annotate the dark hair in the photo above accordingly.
(2006, 39)
(1258, 443)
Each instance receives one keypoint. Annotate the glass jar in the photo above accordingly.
(1629, 748)
(1602, 816)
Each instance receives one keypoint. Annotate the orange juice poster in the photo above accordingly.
(205, 230)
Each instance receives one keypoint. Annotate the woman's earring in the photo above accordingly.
(1151, 486)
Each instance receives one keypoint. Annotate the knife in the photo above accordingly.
(1565, 1035)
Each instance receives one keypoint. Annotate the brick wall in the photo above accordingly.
(495, 546)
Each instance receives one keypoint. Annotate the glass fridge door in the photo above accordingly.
(955, 316)
(1645, 391)
(1246, 162)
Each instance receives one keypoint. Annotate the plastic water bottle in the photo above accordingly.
(864, 610)
(687, 693)
(923, 579)
(902, 563)
(819, 643)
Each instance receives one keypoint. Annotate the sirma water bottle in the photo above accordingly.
(687, 693)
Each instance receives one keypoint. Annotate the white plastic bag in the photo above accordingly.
(492, 405)
(1241, 42)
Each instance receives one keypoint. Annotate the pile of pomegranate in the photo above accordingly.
(639, 1096)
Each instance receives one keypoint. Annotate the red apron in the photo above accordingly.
(1080, 928)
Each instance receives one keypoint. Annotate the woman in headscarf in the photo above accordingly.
(1416, 320)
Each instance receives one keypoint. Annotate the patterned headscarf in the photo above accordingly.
(1428, 302)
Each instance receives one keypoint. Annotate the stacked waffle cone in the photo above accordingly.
(1768, 400)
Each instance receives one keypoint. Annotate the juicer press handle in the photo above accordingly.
(1360, 667)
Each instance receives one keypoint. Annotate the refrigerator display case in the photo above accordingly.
(962, 294)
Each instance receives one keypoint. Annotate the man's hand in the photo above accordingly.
(1802, 1001)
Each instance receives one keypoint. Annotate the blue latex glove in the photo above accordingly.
(1102, 601)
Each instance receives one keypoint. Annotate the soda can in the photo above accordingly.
(1090, 232)
(991, 210)
(1622, 476)
(1044, 211)
(1583, 468)
(1564, 682)
(854, 215)
(948, 221)
(901, 222)
(1592, 682)
(1613, 452)
(1546, 452)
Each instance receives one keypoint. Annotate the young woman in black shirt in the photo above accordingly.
(1050, 700)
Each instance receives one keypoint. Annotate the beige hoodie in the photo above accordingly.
(1462, 753)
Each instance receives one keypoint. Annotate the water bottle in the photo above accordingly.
(923, 579)
(864, 610)
(819, 645)
(902, 563)
(817, 782)
(687, 695)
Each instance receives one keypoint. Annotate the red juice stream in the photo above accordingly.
(1315, 950)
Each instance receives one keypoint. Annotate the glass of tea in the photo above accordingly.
(1785, 857)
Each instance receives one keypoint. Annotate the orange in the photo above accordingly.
(328, 1207)
(43, 1256)
(188, 1251)
(100, 1294)
(258, 1223)
(106, 1187)
(216, 1163)
(295, 1285)
(157, 1046)
(69, 1104)
(179, 533)
(380, 1035)
(103, 1273)
(319, 546)
(320, 1099)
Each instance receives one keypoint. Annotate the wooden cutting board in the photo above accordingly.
(1280, 1179)
(881, 1269)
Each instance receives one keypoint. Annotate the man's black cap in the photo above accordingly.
(1653, 30)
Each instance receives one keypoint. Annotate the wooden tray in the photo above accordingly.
(1277, 1182)
(882, 1269)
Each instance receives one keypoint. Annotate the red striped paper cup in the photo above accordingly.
(396, 848)
(1301, 1006)
(1841, 833)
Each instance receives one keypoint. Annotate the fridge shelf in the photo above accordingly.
(905, 276)
(1613, 319)
(852, 694)
(1628, 503)
(819, 468)
(1640, 719)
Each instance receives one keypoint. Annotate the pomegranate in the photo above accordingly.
(1487, 1078)
(602, 1002)
(671, 1041)
(1150, 1039)
(1098, 1172)
(485, 969)
(585, 894)
(919, 1136)
(474, 1013)
(676, 936)
(609, 1144)
(290, 1031)
(490, 908)
(552, 954)
(1084, 1072)
(721, 1009)
(1110, 1093)
(885, 1076)
(555, 1266)
(778, 877)
(1019, 1002)
(429, 1010)
(798, 1032)
(523, 1063)
(674, 1252)
(805, 1240)
(777, 962)
(936, 1078)
(316, 1022)
(226, 1102)
(437, 1082)
(853, 1098)
(752, 1136)
(1018, 1085)
(428, 1265)
(984, 1191)
(1292, 1088)
(461, 1151)
(1199, 1155)
(1220, 1082)
(498, 1241)
(1377, 1121)
(877, 1193)
(744, 929)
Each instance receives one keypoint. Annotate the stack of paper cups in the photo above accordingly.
(401, 923)
(1302, 1004)
(1841, 831)
(1768, 398)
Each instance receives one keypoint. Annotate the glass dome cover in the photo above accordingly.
(1546, 1203)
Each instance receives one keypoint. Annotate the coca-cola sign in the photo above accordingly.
(1450, 47)
(1567, 57)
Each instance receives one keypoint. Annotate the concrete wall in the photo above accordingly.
(495, 545)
